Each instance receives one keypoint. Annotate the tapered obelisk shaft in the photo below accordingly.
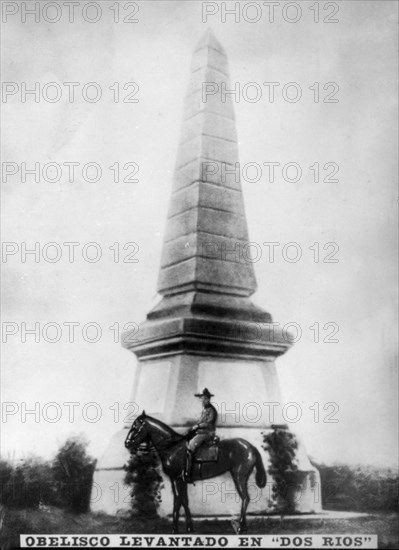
(206, 236)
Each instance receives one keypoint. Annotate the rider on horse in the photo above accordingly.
(204, 431)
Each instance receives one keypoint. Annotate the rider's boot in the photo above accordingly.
(188, 469)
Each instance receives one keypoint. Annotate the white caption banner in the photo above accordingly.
(199, 541)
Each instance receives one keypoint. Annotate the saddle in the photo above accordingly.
(208, 451)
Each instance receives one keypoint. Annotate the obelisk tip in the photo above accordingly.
(209, 40)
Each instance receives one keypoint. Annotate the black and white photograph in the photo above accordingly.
(199, 274)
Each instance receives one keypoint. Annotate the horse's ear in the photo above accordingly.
(143, 413)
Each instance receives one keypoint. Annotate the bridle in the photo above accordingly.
(135, 433)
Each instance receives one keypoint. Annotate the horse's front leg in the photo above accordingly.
(177, 501)
(182, 489)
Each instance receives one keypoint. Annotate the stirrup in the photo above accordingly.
(187, 478)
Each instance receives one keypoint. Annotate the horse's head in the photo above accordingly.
(138, 433)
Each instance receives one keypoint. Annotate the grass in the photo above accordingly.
(51, 520)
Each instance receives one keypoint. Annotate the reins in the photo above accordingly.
(167, 444)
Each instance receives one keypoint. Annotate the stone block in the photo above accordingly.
(218, 103)
(208, 171)
(182, 224)
(206, 195)
(210, 124)
(212, 273)
(177, 277)
(224, 198)
(212, 148)
(184, 199)
(210, 57)
(215, 80)
(206, 246)
(219, 222)
(207, 220)
(220, 273)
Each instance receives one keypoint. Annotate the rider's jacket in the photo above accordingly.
(207, 421)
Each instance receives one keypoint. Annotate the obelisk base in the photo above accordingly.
(245, 392)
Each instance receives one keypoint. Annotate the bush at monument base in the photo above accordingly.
(142, 475)
(282, 445)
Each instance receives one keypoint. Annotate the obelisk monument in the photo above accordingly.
(205, 330)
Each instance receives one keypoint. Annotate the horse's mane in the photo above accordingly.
(173, 435)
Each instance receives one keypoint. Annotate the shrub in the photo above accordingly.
(143, 476)
(6, 487)
(72, 471)
(358, 488)
(281, 445)
(65, 482)
(26, 485)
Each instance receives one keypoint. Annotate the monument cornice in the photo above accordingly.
(208, 336)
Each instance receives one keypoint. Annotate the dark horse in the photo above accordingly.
(236, 456)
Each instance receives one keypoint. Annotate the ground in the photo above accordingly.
(53, 520)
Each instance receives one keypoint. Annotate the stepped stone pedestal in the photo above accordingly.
(205, 331)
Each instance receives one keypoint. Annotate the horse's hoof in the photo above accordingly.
(175, 531)
(242, 529)
(190, 529)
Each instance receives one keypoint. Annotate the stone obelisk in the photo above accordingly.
(205, 331)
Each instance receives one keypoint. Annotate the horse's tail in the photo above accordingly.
(260, 476)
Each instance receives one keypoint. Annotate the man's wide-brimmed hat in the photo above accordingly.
(205, 392)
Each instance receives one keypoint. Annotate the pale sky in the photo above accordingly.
(358, 133)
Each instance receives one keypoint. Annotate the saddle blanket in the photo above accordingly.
(207, 453)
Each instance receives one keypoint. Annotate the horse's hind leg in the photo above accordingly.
(240, 481)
